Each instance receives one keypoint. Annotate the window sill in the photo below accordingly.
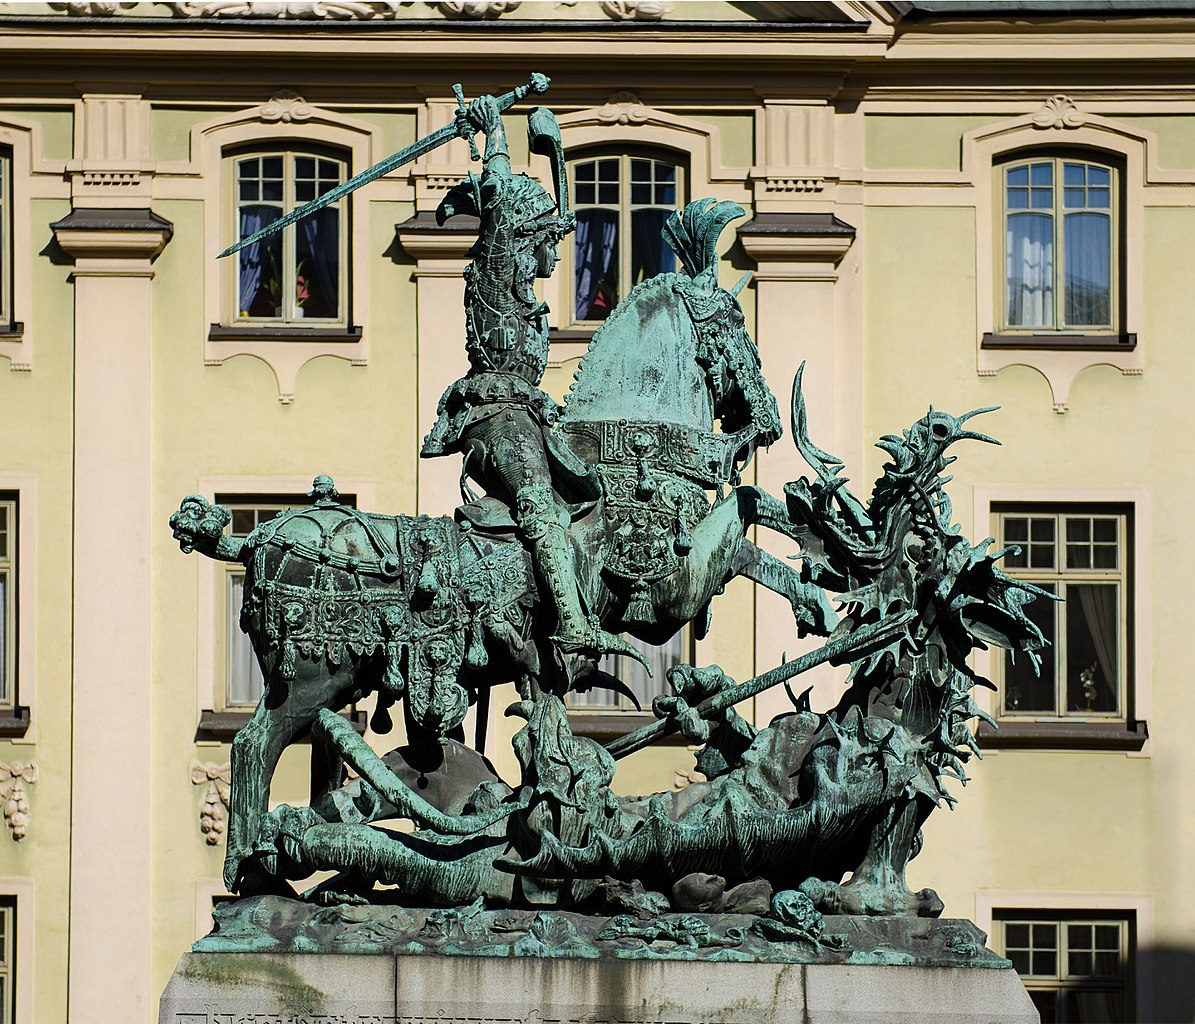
(12, 332)
(605, 727)
(14, 722)
(1061, 342)
(291, 332)
(1022, 735)
(222, 726)
(571, 333)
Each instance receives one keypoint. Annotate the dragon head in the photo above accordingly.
(921, 449)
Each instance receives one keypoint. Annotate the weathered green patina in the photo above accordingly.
(623, 512)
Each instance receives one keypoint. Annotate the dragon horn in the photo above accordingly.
(818, 459)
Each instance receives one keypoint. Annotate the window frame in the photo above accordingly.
(1125, 983)
(1060, 577)
(1129, 735)
(1060, 334)
(8, 959)
(10, 568)
(289, 150)
(625, 154)
(7, 248)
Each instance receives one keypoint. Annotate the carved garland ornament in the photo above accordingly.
(16, 801)
(213, 816)
(313, 10)
(475, 8)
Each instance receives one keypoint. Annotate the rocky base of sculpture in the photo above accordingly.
(273, 924)
(296, 988)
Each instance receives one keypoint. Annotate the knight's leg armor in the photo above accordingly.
(543, 523)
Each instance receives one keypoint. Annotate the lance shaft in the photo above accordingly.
(537, 84)
(851, 646)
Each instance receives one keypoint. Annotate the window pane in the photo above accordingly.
(3, 636)
(243, 521)
(259, 292)
(1018, 175)
(650, 254)
(1029, 270)
(1046, 1004)
(1024, 690)
(1083, 1006)
(3, 531)
(1088, 277)
(596, 263)
(245, 681)
(1092, 647)
(1041, 174)
(317, 266)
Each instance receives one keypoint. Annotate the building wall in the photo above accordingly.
(891, 129)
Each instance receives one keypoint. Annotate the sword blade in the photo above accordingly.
(537, 84)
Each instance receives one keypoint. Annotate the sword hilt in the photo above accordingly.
(537, 84)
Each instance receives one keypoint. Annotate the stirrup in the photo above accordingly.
(597, 641)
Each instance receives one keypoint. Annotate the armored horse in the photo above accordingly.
(668, 405)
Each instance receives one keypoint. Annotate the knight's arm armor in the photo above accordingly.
(504, 317)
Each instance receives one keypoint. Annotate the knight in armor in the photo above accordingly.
(496, 416)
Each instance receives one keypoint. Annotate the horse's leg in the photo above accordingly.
(811, 608)
(253, 758)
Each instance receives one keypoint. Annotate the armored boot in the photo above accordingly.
(556, 566)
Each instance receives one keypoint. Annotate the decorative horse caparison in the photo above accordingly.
(434, 612)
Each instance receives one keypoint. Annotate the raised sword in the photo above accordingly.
(537, 84)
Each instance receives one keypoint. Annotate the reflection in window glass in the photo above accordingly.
(294, 275)
(6, 254)
(1080, 557)
(8, 557)
(1058, 245)
(1076, 970)
(628, 671)
(621, 204)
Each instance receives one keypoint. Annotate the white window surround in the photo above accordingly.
(1059, 124)
(988, 901)
(212, 576)
(22, 889)
(1140, 666)
(285, 121)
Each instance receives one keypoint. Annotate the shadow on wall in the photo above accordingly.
(1174, 983)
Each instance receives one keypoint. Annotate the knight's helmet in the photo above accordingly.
(533, 209)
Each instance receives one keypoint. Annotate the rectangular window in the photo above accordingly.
(243, 681)
(298, 275)
(1060, 251)
(8, 599)
(1080, 554)
(621, 202)
(6, 247)
(8, 972)
(1076, 966)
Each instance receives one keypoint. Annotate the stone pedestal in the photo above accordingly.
(298, 988)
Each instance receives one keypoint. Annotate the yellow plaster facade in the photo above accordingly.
(868, 135)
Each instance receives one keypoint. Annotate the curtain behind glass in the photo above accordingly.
(260, 287)
(1088, 286)
(1029, 269)
(245, 681)
(3, 636)
(1092, 625)
(650, 254)
(596, 246)
(317, 263)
